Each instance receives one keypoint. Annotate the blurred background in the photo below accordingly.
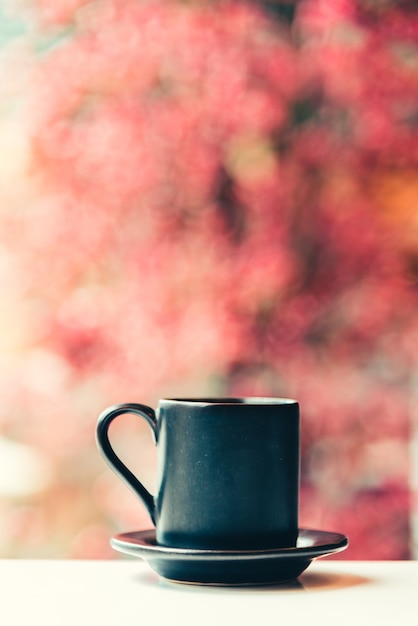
(207, 197)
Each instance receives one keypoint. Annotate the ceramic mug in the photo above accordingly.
(228, 471)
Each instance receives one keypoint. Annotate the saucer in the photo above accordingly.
(230, 567)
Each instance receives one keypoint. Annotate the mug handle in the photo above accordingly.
(103, 443)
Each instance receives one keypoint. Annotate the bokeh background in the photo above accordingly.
(203, 197)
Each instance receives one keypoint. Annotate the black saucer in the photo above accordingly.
(230, 567)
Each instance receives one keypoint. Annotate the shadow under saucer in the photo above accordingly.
(308, 582)
(331, 581)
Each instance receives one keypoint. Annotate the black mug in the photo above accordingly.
(228, 471)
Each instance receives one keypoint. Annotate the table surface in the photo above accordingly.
(128, 593)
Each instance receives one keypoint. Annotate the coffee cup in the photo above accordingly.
(227, 471)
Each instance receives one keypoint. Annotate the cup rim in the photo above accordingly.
(225, 401)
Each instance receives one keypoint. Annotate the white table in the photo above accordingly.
(128, 593)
